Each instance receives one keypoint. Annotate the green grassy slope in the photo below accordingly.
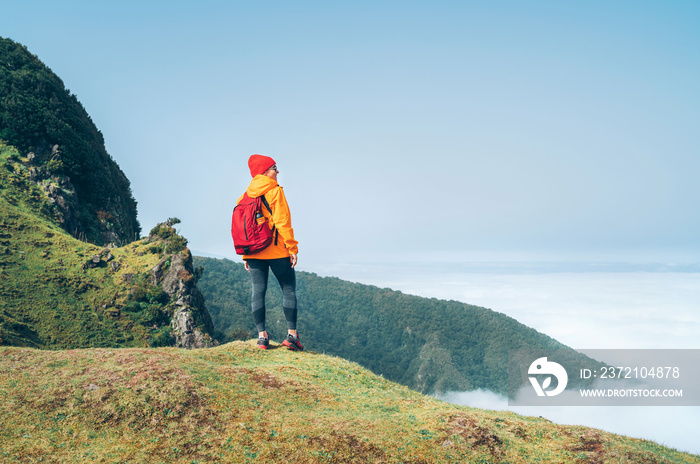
(51, 296)
(236, 403)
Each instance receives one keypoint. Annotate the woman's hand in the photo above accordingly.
(245, 263)
(293, 259)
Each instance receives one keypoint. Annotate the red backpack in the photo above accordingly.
(249, 228)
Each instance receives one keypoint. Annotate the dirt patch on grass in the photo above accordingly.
(341, 446)
(473, 434)
(267, 380)
(644, 458)
(262, 378)
(590, 443)
(592, 448)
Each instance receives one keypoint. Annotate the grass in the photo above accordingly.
(48, 298)
(236, 403)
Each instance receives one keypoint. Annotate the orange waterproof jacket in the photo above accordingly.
(284, 243)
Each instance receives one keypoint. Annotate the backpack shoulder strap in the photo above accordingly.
(274, 228)
(267, 205)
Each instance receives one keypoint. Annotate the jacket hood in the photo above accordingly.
(260, 185)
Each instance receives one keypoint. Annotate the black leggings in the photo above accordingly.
(284, 272)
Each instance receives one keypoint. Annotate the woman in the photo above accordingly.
(280, 255)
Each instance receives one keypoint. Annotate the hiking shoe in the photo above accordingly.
(293, 343)
(263, 343)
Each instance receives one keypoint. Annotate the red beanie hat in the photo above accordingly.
(258, 164)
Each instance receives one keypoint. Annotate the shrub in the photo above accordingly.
(55, 166)
(176, 244)
(161, 337)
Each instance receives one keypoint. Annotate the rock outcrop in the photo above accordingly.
(190, 322)
(58, 188)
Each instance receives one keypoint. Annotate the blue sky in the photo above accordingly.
(402, 130)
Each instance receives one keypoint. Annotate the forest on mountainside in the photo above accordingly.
(427, 344)
(39, 116)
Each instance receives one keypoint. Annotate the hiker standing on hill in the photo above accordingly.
(280, 255)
